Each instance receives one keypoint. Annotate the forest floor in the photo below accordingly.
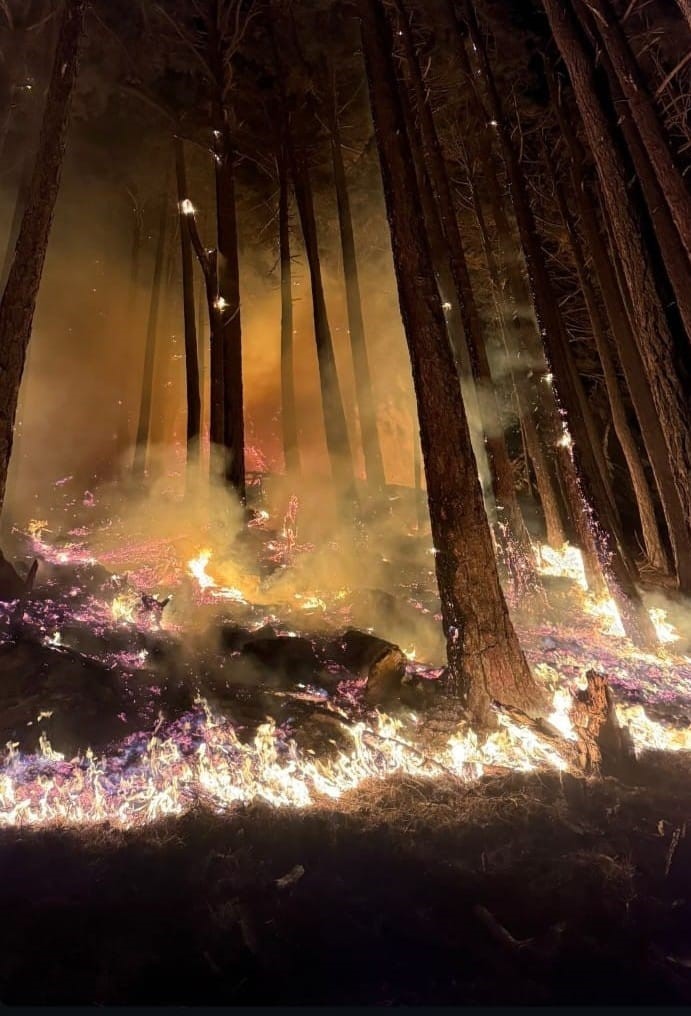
(518, 889)
(495, 875)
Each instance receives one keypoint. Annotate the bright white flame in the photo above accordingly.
(666, 632)
(220, 303)
(187, 208)
(197, 568)
(567, 562)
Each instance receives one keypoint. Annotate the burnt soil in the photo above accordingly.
(522, 888)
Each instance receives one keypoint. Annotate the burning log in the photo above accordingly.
(603, 745)
(383, 663)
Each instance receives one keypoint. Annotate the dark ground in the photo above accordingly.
(523, 889)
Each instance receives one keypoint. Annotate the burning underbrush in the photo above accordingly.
(144, 674)
(231, 764)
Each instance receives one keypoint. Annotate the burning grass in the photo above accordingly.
(243, 835)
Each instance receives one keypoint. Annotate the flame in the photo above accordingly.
(567, 562)
(196, 566)
(124, 606)
(606, 612)
(666, 632)
(224, 771)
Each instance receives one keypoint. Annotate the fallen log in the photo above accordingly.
(365, 655)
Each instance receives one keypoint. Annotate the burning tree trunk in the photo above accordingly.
(627, 350)
(191, 362)
(592, 514)
(146, 398)
(485, 658)
(646, 508)
(19, 298)
(374, 463)
(291, 451)
(661, 359)
(517, 546)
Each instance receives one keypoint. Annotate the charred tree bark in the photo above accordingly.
(662, 361)
(485, 659)
(515, 543)
(191, 362)
(291, 453)
(652, 539)
(146, 397)
(374, 462)
(622, 332)
(586, 491)
(19, 298)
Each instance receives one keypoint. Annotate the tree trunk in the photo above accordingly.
(671, 243)
(685, 8)
(662, 361)
(146, 398)
(291, 452)
(374, 463)
(191, 361)
(514, 541)
(550, 501)
(624, 67)
(596, 524)
(233, 434)
(542, 421)
(337, 441)
(652, 539)
(485, 659)
(123, 438)
(19, 298)
(622, 332)
(203, 360)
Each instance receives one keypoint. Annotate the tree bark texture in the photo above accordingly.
(624, 66)
(663, 365)
(19, 298)
(605, 555)
(652, 539)
(618, 311)
(514, 540)
(485, 659)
